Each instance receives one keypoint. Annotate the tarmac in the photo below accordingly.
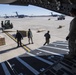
(9, 50)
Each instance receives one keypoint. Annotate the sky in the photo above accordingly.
(26, 10)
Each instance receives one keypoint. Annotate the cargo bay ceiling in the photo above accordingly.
(61, 6)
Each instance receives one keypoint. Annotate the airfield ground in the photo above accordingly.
(41, 24)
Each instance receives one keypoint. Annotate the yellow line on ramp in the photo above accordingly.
(26, 48)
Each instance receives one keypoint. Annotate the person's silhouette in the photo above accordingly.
(18, 37)
(72, 36)
(47, 38)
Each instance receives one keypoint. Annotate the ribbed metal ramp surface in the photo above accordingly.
(46, 60)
